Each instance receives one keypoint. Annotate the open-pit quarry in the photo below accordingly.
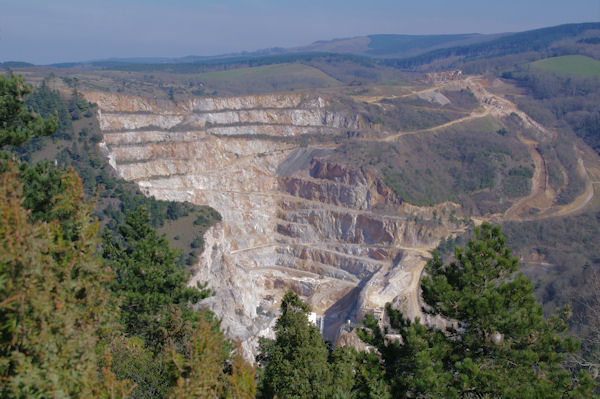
(291, 218)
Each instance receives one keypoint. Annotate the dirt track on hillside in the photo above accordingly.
(473, 115)
(541, 197)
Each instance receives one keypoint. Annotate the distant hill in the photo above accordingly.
(472, 52)
(14, 64)
(374, 46)
(398, 46)
(552, 41)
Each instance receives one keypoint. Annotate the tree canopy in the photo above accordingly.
(299, 364)
(74, 324)
(17, 123)
(168, 349)
(296, 362)
(147, 278)
(496, 342)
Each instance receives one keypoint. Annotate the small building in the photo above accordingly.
(317, 320)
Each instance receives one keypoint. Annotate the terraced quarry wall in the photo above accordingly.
(291, 219)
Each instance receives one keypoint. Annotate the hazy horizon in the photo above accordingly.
(40, 32)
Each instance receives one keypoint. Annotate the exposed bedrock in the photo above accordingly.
(340, 185)
(334, 233)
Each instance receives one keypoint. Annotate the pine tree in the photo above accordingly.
(498, 344)
(49, 104)
(168, 349)
(17, 123)
(298, 363)
(148, 281)
(242, 380)
(54, 307)
(199, 367)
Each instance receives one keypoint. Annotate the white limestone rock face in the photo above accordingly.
(335, 234)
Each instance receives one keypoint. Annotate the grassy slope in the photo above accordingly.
(278, 71)
(270, 77)
(577, 65)
(191, 83)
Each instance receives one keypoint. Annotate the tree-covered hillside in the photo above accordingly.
(74, 324)
(75, 144)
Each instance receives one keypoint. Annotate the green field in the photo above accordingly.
(280, 76)
(577, 65)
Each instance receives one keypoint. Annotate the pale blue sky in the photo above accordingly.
(48, 31)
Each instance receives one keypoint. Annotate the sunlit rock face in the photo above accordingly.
(335, 234)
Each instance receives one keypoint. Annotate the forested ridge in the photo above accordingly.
(90, 313)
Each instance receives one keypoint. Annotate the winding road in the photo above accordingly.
(541, 196)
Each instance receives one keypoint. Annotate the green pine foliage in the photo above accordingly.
(147, 279)
(17, 123)
(48, 104)
(167, 349)
(55, 308)
(200, 371)
(78, 107)
(298, 363)
(295, 364)
(74, 325)
(497, 342)
(149, 375)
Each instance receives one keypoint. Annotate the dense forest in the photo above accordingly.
(90, 313)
